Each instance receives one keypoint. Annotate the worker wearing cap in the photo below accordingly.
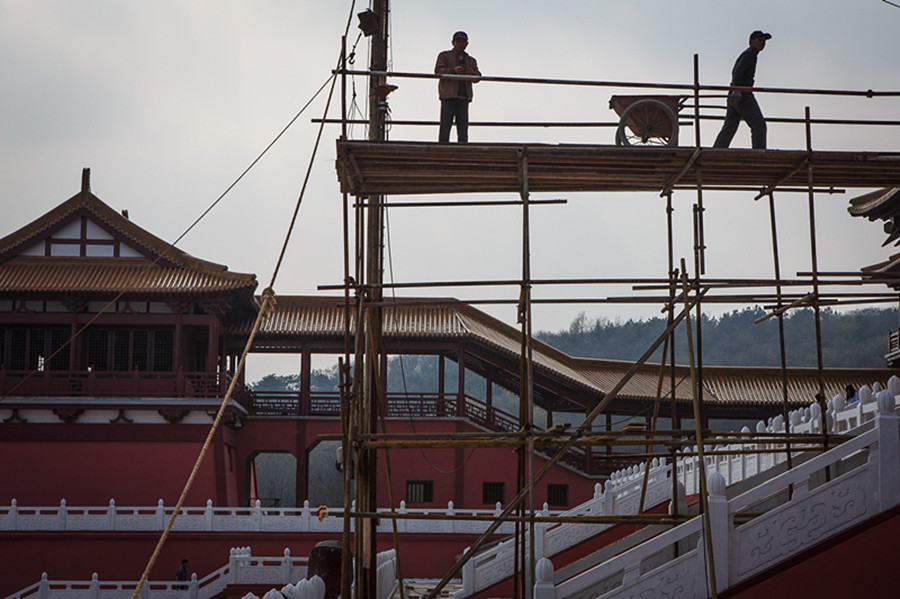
(455, 94)
(742, 104)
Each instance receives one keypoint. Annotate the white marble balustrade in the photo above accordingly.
(227, 519)
(242, 568)
(852, 482)
(621, 497)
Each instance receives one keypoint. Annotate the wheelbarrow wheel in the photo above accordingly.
(647, 122)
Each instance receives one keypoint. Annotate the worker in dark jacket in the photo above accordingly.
(742, 104)
(455, 94)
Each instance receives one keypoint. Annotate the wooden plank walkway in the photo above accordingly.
(397, 167)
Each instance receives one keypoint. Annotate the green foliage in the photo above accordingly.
(856, 339)
(277, 382)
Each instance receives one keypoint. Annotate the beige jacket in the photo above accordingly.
(446, 65)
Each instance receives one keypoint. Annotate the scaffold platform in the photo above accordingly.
(367, 168)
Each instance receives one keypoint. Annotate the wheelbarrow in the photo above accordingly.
(647, 120)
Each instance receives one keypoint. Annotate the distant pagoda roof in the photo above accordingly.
(135, 260)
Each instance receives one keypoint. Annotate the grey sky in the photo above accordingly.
(168, 101)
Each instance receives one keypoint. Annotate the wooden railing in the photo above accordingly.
(137, 383)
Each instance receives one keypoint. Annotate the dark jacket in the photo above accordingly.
(446, 64)
(744, 71)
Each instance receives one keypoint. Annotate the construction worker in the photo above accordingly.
(742, 104)
(455, 94)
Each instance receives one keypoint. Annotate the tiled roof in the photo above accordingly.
(174, 271)
(881, 204)
(304, 315)
(301, 317)
(86, 202)
(112, 275)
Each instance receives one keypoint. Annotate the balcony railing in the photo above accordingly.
(137, 383)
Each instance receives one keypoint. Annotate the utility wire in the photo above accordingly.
(412, 423)
(268, 303)
(131, 284)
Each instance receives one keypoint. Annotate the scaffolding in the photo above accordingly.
(371, 170)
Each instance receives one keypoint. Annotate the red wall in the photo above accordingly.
(138, 464)
(858, 562)
(123, 556)
(457, 474)
(90, 473)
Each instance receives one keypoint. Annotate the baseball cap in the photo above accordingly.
(460, 34)
(759, 33)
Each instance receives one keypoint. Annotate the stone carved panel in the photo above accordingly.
(234, 523)
(599, 588)
(498, 569)
(568, 534)
(791, 528)
(86, 522)
(423, 526)
(36, 522)
(680, 579)
(281, 523)
(470, 526)
(258, 575)
(183, 522)
(135, 522)
(69, 593)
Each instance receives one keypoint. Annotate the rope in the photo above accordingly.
(412, 422)
(133, 282)
(268, 303)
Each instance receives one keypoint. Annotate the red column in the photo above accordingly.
(305, 378)
(461, 384)
(212, 362)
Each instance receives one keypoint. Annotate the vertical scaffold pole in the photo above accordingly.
(700, 244)
(369, 326)
(698, 428)
(526, 396)
(815, 275)
(777, 261)
(346, 388)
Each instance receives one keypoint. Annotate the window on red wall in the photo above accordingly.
(492, 493)
(558, 495)
(419, 491)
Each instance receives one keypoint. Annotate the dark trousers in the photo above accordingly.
(458, 109)
(748, 110)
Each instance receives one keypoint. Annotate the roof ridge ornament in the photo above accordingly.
(86, 180)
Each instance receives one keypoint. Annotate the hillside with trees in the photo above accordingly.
(856, 339)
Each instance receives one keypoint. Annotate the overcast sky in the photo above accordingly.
(169, 101)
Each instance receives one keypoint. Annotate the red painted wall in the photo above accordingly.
(123, 556)
(457, 474)
(859, 562)
(138, 464)
(90, 473)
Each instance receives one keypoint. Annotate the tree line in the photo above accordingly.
(855, 339)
